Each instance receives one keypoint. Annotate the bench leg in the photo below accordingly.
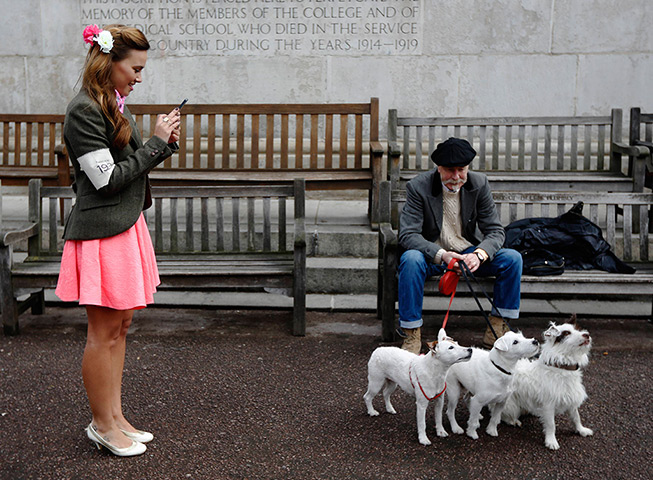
(37, 302)
(299, 313)
(8, 303)
(387, 302)
(299, 294)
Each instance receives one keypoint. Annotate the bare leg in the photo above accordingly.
(118, 364)
(102, 342)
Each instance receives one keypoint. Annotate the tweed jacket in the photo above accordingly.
(420, 223)
(114, 207)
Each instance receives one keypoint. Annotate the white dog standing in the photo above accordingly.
(488, 378)
(552, 384)
(420, 375)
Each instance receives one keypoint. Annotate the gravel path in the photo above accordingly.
(232, 395)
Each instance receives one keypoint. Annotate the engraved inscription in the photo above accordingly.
(267, 27)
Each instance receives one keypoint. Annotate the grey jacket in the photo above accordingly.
(421, 218)
(114, 208)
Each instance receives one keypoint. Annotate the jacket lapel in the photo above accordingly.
(468, 196)
(435, 199)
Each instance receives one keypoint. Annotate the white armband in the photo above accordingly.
(97, 165)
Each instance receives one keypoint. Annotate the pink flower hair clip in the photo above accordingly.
(103, 38)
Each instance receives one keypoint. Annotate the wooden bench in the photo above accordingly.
(331, 146)
(629, 241)
(28, 149)
(210, 238)
(526, 154)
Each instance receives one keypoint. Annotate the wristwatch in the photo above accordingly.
(479, 256)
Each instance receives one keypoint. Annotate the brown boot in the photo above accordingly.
(413, 340)
(500, 328)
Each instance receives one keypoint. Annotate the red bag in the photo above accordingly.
(449, 280)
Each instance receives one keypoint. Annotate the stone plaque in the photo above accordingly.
(267, 27)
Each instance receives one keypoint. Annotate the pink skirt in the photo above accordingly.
(118, 272)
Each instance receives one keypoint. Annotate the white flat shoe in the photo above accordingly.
(139, 436)
(136, 448)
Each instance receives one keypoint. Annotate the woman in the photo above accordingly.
(108, 262)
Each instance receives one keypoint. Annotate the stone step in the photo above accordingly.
(346, 275)
(341, 241)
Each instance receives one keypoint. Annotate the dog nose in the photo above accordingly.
(469, 349)
(535, 342)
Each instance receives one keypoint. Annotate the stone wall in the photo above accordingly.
(423, 57)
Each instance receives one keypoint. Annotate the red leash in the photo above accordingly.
(447, 286)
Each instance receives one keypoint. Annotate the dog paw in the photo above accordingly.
(585, 432)
(552, 444)
(472, 434)
(442, 433)
(391, 410)
(457, 429)
(425, 441)
(373, 413)
(492, 432)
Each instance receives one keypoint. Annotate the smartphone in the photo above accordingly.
(182, 104)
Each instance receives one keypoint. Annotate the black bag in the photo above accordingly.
(540, 262)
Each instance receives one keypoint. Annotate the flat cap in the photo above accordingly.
(454, 152)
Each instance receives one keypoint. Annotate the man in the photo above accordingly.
(450, 214)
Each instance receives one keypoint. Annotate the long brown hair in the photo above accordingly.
(96, 78)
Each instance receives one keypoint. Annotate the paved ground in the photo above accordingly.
(231, 395)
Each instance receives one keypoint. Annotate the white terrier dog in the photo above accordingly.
(421, 376)
(488, 378)
(552, 384)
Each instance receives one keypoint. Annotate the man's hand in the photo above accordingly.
(470, 259)
(448, 256)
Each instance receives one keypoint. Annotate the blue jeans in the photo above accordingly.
(414, 269)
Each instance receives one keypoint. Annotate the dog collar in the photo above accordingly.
(562, 366)
(502, 370)
(420, 385)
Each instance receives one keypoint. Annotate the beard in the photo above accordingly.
(454, 185)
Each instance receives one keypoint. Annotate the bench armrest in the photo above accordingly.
(376, 148)
(388, 239)
(393, 149)
(300, 238)
(14, 236)
(60, 150)
(631, 150)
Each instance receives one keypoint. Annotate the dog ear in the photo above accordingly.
(573, 320)
(432, 345)
(501, 344)
(552, 331)
(442, 335)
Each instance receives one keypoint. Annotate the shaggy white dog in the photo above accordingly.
(552, 384)
(422, 376)
(488, 378)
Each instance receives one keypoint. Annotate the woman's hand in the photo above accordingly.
(167, 126)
